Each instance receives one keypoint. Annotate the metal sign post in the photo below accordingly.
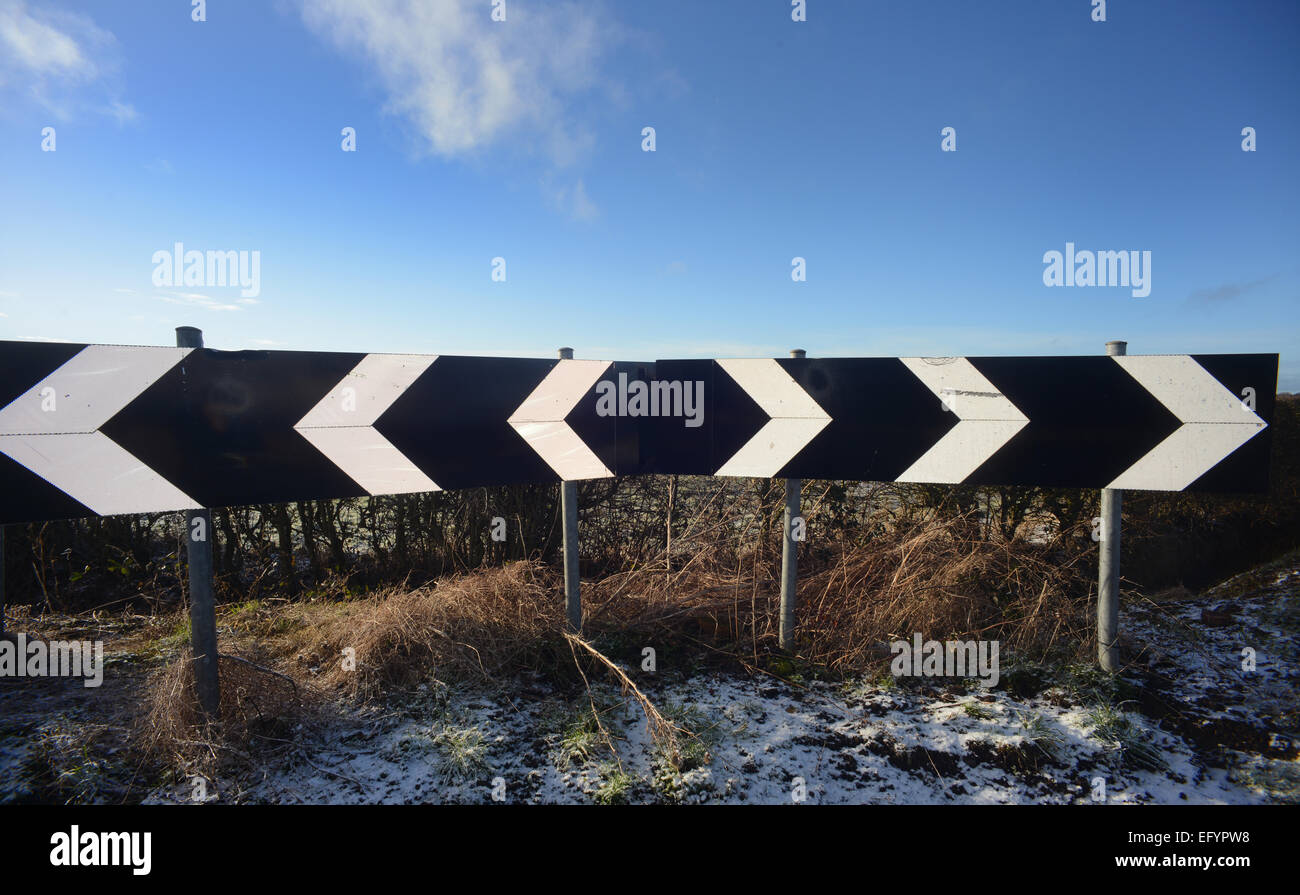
(569, 510)
(1108, 563)
(203, 608)
(2, 581)
(790, 555)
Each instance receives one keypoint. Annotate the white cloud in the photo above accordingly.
(465, 81)
(572, 201)
(55, 58)
(583, 208)
(40, 47)
(196, 299)
(121, 112)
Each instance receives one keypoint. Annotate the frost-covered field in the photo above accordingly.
(756, 741)
(1186, 723)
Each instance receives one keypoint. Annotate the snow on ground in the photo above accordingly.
(1185, 723)
(1189, 720)
(871, 744)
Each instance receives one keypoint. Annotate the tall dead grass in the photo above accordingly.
(482, 623)
(942, 578)
(255, 701)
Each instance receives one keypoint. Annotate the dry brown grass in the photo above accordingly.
(483, 623)
(943, 580)
(939, 577)
(255, 702)
(666, 735)
(472, 625)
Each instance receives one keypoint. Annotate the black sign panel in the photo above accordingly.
(100, 429)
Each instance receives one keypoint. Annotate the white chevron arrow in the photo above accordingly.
(540, 419)
(988, 420)
(342, 424)
(1215, 422)
(795, 418)
(53, 430)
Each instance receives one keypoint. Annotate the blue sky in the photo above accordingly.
(774, 139)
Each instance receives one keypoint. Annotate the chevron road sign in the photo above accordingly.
(1159, 422)
(101, 430)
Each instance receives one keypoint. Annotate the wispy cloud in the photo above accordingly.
(465, 81)
(54, 58)
(41, 48)
(572, 201)
(1227, 292)
(197, 300)
(121, 112)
